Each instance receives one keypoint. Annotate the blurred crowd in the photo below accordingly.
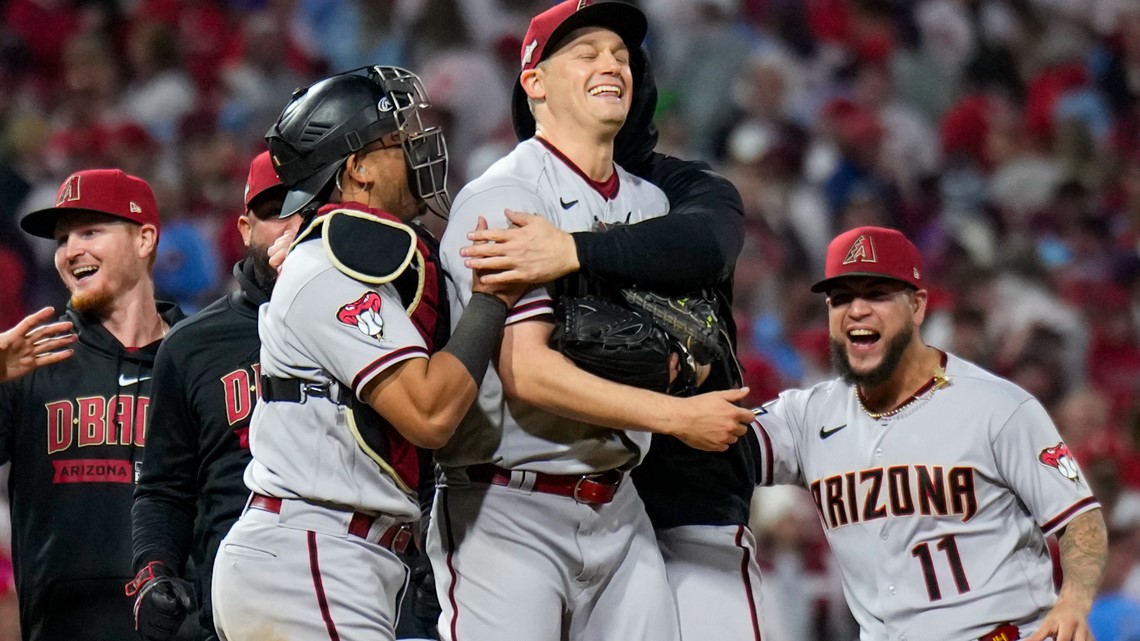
(1003, 136)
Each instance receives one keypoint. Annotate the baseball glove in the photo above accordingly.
(634, 343)
(692, 321)
(612, 341)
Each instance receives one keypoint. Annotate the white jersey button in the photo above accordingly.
(891, 589)
(883, 535)
(879, 452)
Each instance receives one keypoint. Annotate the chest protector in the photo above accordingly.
(376, 248)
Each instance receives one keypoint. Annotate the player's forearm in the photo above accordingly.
(424, 399)
(439, 391)
(545, 378)
(162, 530)
(1084, 547)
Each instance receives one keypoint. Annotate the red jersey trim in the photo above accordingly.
(531, 309)
(745, 561)
(1067, 515)
(767, 453)
(608, 188)
(404, 353)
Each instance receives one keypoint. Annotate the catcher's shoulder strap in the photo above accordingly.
(369, 246)
(372, 247)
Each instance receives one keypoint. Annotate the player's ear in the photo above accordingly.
(918, 302)
(244, 228)
(147, 240)
(532, 83)
(355, 169)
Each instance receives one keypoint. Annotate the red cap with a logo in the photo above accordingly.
(103, 191)
(872, 251)
(262, 178)
(551, 26)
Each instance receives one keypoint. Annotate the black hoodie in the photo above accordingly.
(74, 433)
(694, 247)
(205, 379)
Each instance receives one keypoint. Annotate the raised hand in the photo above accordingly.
(29, 345)
(532, 250)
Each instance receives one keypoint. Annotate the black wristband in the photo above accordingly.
(475, 338)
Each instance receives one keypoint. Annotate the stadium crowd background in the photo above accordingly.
(1002, 135)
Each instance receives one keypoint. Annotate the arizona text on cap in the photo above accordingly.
(102, 191)
(872, 251)
(262, 178)
(548, 28)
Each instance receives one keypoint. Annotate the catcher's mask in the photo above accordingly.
(327, 122)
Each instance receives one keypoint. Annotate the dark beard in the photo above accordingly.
(264, 276)
(879, 375)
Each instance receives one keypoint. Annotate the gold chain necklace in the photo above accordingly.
(939, 381)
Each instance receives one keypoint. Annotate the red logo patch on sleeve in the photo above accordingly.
(364, 314)
(1059, 458)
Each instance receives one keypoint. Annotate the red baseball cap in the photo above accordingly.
(262, 177)
(551, 26)
(103, 191)
(872, 251)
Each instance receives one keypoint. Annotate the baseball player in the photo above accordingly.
(936, 482)
(74, 430)
(698, 502)
(354, 375)
(534, 485)
(205, 386)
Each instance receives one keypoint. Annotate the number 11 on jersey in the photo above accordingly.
(948, 545)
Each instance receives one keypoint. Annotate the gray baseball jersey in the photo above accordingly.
(577, 570)
(937, 513)
(536, 178)
(325, 327)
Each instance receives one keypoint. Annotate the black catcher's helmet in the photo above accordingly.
(327, 122)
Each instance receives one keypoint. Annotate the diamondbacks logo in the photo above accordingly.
(862, 251)
(1059, 458)
(364, 314)
(69, 192)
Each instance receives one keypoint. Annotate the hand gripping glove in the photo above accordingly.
(612, 341)
(162, 601)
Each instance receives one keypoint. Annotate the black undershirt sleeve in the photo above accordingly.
(165, 500)
(674, 253)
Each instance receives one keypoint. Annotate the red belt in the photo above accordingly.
(396, 538)
(1007, 632)
(597, 488)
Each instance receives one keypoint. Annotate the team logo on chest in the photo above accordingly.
(364, 314)
(1059, 458)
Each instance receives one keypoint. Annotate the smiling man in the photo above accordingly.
(936, 481)
(74, 430)
(535, 482)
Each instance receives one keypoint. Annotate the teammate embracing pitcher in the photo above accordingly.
(355, 374)
(537, 532)
(936, 481)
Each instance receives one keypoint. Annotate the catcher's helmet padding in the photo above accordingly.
(326, 123)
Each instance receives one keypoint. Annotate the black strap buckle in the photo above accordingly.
(295, 390)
